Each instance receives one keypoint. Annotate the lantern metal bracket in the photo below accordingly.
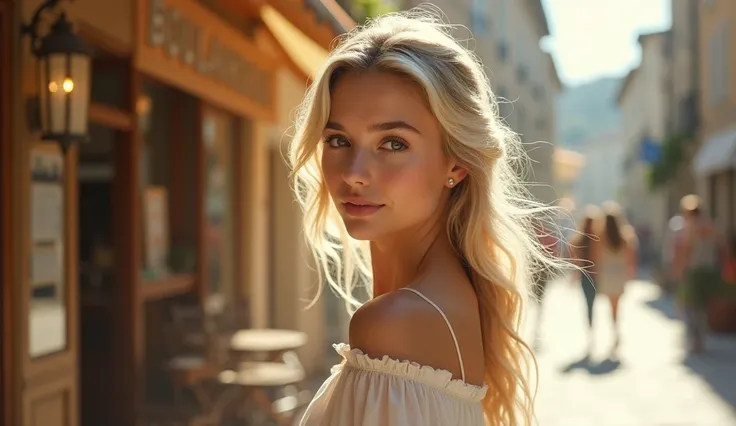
(31, 29)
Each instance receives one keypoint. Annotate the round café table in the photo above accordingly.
(257, 378)
(265, 340)
(262, 375)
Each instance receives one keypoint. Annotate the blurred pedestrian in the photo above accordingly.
(699, 263)
(672, 238)
(581, 253)
(615, 260)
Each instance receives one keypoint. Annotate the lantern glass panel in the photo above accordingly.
(58, 88)
(80, 75)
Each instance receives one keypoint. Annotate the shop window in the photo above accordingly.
(219, 131)
(168, 178)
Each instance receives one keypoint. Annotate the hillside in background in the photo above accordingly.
(587, 110)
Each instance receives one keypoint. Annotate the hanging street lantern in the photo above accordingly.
(64, 79)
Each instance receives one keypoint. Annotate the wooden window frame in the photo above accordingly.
(238, 174)
(198, 283)
(175, 284)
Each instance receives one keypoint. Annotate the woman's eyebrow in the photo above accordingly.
(394, 125)
(389, 125)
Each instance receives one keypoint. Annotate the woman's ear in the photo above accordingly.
(457, 173)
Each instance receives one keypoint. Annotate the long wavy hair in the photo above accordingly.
(614, 227)
(490, 212)
(585, 235)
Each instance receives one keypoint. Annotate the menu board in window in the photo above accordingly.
(47, 325)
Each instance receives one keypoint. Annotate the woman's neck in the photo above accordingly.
(400, 260)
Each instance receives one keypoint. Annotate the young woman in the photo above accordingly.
(404, 171)
(699, 258)
(615, 259)
(582, 247)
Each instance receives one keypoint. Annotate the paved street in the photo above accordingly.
(654, 383)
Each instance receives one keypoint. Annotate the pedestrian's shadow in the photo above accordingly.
(716, 366)
(665, 305)
(606, 366)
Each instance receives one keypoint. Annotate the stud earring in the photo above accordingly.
(451, 182)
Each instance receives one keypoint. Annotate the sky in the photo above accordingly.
(596, 38)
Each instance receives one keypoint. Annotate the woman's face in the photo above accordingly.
(383, 159)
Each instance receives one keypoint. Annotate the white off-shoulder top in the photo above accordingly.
(364, 391)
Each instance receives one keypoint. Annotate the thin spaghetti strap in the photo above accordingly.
(447, 321)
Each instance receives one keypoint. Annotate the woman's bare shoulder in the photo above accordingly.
(387, 324)
(403, 326)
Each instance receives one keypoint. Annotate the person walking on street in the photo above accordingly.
(615, 259)
(703, 249)
(581, 250)
(673, 236)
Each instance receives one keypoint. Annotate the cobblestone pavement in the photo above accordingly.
(653, 382)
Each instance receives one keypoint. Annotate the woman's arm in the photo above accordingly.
(632, 259)
(682, 244)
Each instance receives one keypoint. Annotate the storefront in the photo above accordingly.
(180, 194)
(167, 200)
(715, 169)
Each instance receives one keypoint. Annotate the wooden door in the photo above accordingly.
(48, 308)
(39, 338)
(44, 280)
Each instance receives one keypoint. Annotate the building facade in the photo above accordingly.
(684, 89)
(506, 36)
(180, 196)
(644, 103)
(715, 160)
(601, 178)
(568, 165)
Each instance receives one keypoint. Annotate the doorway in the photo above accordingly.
(68, 380)
(96, 181)
(101, 179)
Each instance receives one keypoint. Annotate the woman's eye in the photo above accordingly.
(336, 141)
(394, 145)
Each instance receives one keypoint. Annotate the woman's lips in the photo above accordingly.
(361, 210)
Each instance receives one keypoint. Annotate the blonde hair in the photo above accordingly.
(490, 212)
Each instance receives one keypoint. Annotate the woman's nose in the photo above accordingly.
(357, 171)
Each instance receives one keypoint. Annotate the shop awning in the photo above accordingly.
(305, 53)
(717, 154)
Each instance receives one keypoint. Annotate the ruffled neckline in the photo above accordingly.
(436, 378)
